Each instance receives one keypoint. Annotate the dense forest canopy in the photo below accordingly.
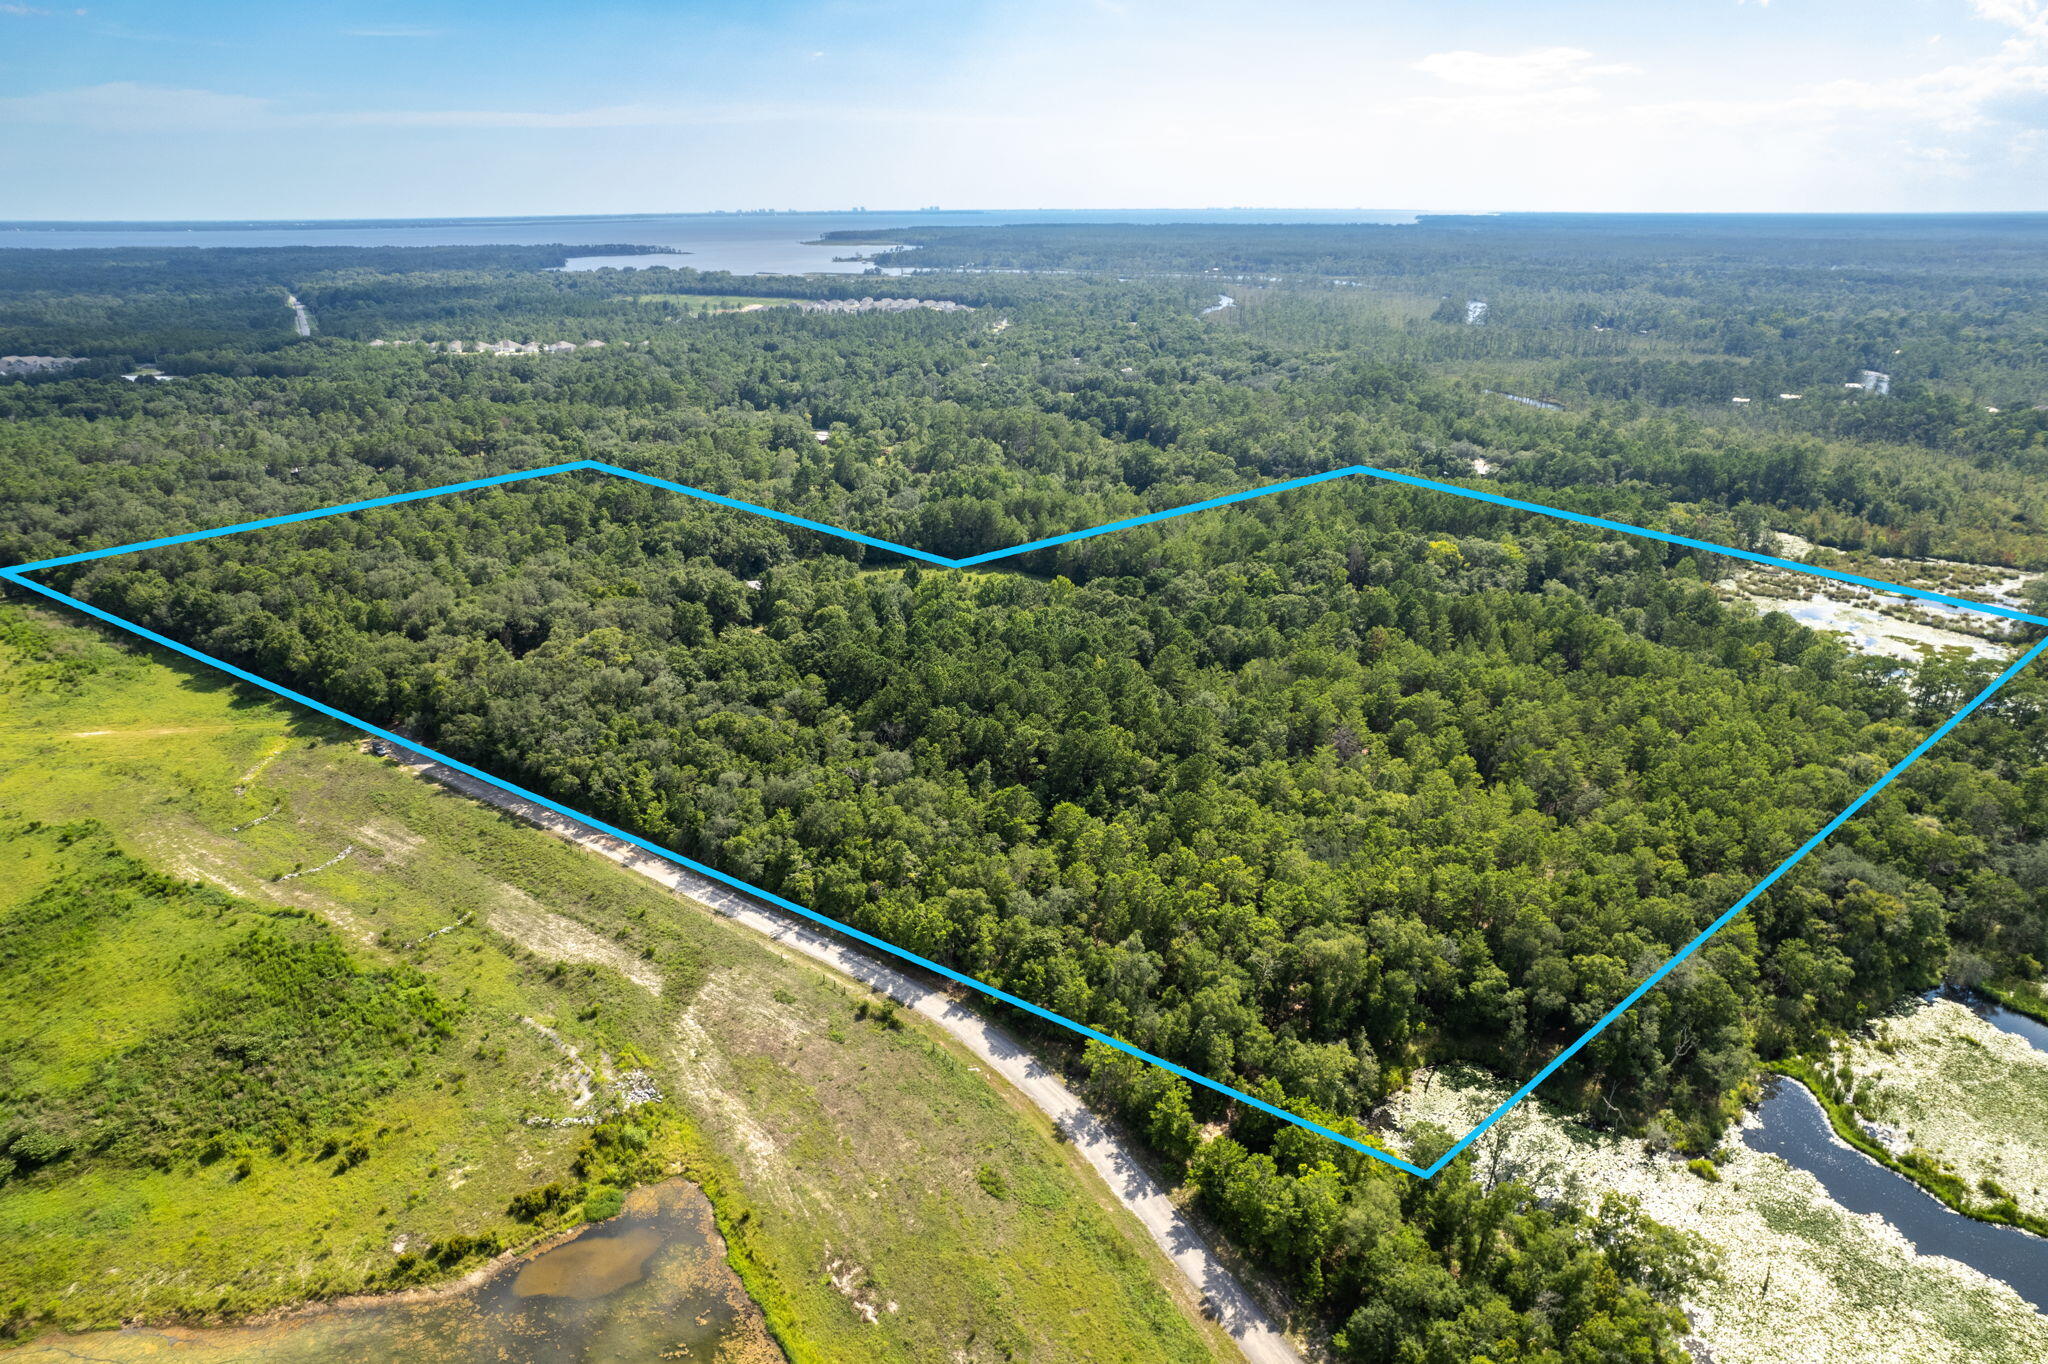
(1296, 793)
(1304, 794)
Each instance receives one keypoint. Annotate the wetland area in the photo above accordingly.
(651, 1283)
(1879, 623)
(1823, 1253)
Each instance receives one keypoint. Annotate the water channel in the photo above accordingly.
(1792, 1125)
(2030, 1030)
(1544, 403)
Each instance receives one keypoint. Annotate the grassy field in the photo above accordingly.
(1802, 1280)
(196, 867)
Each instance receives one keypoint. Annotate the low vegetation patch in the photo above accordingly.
(405, 1090)
(1965, 1106)
(266, 1037)
(1799, 1278)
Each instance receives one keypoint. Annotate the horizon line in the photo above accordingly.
(641, 215)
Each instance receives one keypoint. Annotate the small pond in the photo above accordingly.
(650, 1284)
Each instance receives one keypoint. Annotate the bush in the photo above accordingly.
(538, 1202)
(882, 1011)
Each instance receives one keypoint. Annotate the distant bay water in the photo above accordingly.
(744, 243)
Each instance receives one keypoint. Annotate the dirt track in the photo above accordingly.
(1247, 1323)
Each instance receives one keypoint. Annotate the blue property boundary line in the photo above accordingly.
(18, 576)
(971, 561)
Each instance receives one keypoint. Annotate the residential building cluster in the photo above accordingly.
(880, 305)
(496, 347)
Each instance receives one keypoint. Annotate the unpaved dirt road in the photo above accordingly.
(1247, 1323)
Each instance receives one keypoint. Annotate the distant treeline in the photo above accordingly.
(1957, 300)
(1304, 794)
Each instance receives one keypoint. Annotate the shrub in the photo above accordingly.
(538, 1202)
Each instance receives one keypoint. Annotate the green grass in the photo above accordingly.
(261, 1031)
(2021, 996)
(851, 1162)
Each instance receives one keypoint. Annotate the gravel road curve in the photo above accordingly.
(1256, 1336)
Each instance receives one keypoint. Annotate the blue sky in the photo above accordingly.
(316, 108)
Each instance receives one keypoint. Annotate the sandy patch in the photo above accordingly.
(708, 1086)
(576, 1079)
(192, 871)
(276, 750)
(521, 918)
(339, 915)
(851, 1281)
(206, 856)
(391, 841)
(742, 998)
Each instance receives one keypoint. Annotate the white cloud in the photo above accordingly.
(1960, 98)
(1871, 140)
(600, 116)
(128, 106)
(1536, 69)
(2028, 17)
(1313, 113)
(606, 116)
